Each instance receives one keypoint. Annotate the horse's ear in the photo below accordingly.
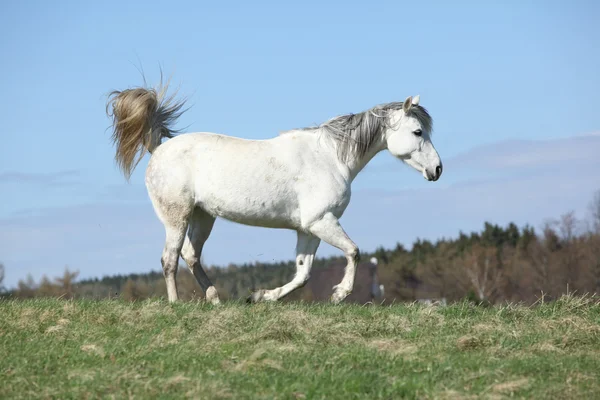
(415, 100)
(407, 104)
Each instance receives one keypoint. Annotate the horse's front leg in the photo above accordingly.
(330, 231)
(305, 253)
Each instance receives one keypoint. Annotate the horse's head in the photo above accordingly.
(409, 139)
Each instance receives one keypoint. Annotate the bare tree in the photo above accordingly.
(568, 226)
(26, 289)
(47, 288)
(437, 270)
(538, 256)
(593, 245)
(571, 254)
(66, 283)
(544, 257)
(130, 291)
(517, 284)
(481, 272)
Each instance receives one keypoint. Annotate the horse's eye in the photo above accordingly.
(418, 132)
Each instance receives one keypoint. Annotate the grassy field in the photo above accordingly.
(86, 349)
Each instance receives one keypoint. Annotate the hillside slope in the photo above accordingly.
(93, 349)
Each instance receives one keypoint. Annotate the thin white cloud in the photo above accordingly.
(50, 178)
(529, 153)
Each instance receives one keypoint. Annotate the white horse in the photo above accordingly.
(298, 180)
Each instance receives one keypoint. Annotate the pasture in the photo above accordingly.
(153, 349)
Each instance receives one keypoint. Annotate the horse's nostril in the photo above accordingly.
(438, 171)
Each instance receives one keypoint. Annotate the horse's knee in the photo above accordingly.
(169, 263)
(191, 251)
(354, 254)
(303, 279)
(190, 258)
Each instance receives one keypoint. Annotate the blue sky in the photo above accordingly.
(513, 87)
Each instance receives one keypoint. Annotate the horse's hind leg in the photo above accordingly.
(201, 224)
(175, 234)
(175, 217)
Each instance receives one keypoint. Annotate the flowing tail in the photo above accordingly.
(141, 117)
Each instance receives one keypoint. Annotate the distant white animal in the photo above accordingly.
(376, 288)
(298, 180)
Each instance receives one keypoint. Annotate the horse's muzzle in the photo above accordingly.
(433, 175)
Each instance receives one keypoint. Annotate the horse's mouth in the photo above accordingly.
(431, 177)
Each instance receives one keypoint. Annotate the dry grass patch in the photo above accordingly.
(69, 308)
(93, 349)
(454, 395)
(510, 387)
(168, 337)
(430, 315)
(468, 342)
(398, 324)
(547, 347)
(54, 329)
(209, 390)
(394, 347)
(177, 379)
(485, 328)
(150, 309)
(258, 359)
(83, 376)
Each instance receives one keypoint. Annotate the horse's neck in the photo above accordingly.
(355, 166)
(350, 168)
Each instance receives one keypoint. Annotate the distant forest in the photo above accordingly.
(494, 265)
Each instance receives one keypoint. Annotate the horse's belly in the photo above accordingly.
(257, 210)
(259, 219)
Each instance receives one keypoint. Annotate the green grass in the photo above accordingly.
(99, 349)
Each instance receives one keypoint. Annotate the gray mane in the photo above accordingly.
(356, 133)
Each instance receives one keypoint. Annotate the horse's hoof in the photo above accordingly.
(339, 295)
(256, 297)
(212, 296)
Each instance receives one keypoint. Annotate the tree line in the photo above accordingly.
(493, 265)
